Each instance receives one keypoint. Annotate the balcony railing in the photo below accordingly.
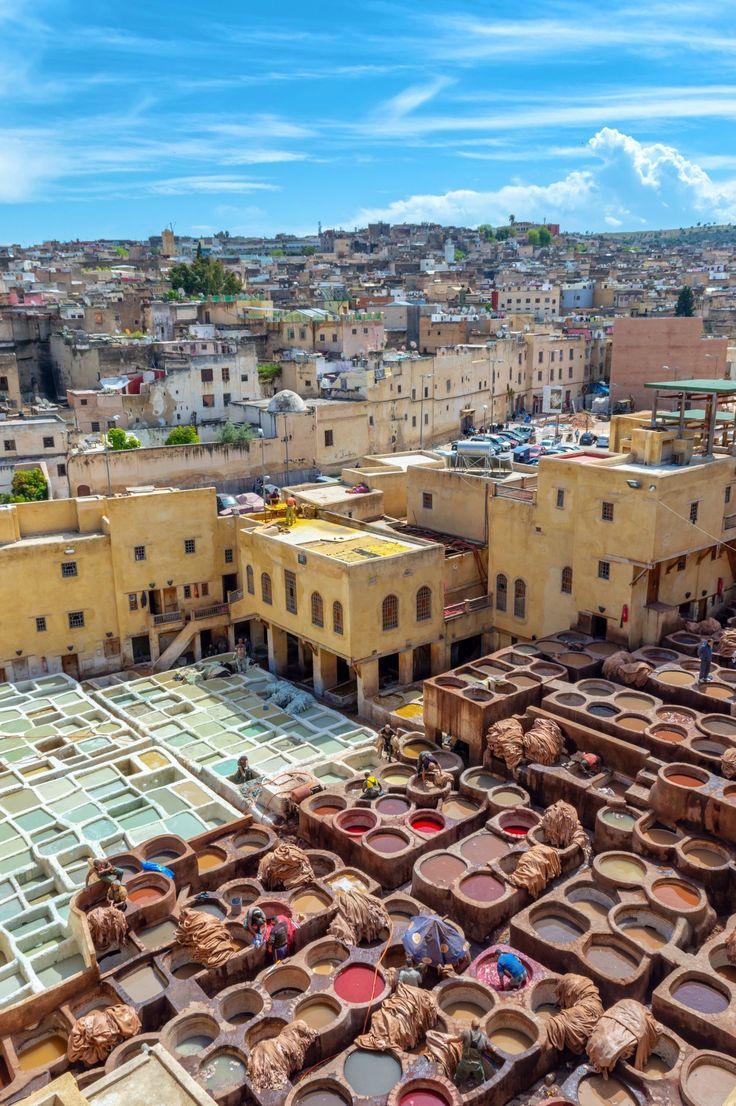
(729, 521)
(211, 612)
(168, 617)
(235, 596)
(456, 610)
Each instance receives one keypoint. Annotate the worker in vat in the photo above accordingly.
(411, 973)
(470, 1072)
(427, 766)
(103, 871)
(256, 924)
(511, 972)
(705, 656)
(280, 937)
(371, 787)
(587, 764)
(387, 742)
(243, 773)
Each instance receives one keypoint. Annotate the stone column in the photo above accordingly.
(439, 657)
(325, 671)
(367, 682)
(406, 666)
(277, 650)
(197, 645)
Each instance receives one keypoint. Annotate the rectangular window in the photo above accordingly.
(139, 552)
(540, 357)
(560, 497)
(132, 601)
(226, 396)
(204, 590)
(61, 470)
(48, 443)
(693, 512)
(728, 494)
(95, 427)
(76, 620)
(190, 545)
(329, 437)
(41, 625)
(207, 376)
(427, 501)
(228, 556)
(208, 401)
(4, 386)
(225, 376)
(607, 512)
(187, 591)
(413, 420)
(290, 590)
(9, 444)
(426, 420)
(604, 570)
(243, 378)
(69, 568)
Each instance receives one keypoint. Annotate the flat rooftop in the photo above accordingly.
(339, 543)
(707, 387)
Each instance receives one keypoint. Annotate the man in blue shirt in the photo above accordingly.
(511, 971)
(705, 655)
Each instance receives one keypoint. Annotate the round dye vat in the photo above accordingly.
(325, 811)
(190, 1046)
(484, 781)
(423, 1097)
(317, 1014)
(511, 1040)
(551, 646)
(675, 677)
(633, 722)
(144, 896)
(425, 823)
(675, 893)
(618, 819)
(556, 929)
(611, 961)
(593, 907)
(164, 856)
(309, 903)
(629, 701)
(392, 805)
(661, 836)
(321, 1097)
(709, 1084)
(483, 848)
(442, 869)
(700, 996)
(42, 1053)
(326, 966)
(709, 748)
(668, 734)
(523, 682)
(623, 869)
(481, 888)
(371, 1074)
(569, 699)
(684, 779)
(463, 1010)
(717, 724)
(356, 826)
(396, 776)
(506, 797)
(596, 687)
(601, 648)
(594, 1090)
(677, 717)
(186, 970)
(701, 853)
(574, 660)
(459, 809)
(209, 859)
(358, 984)
(717, 691)
(602, 710)
(221, 1071)
(412, 749)
(386, 842)
(646, 936)
(515, 829)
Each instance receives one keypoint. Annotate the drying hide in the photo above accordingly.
(727, 643)
(95, 1035)
(580, 1011)
(108, 927)
(562, 827)
(728, 764)
(446, 1050)
(622, 668)
(285, 868)
(401, 1021)
(535, 869)
(542, 744)
(360, 917)
(206, 938)
(626, 1028)
(505, 741)
(272, 1061)
(709, 627)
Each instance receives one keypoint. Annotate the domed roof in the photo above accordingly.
(287, 403)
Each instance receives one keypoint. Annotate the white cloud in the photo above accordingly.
(24, 169)
(633, 184)
(183, 186)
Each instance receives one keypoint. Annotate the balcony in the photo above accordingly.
(235, 596)
(168, 618)
(467, 606)
(211, 612)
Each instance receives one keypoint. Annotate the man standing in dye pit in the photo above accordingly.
(705, 656)
(511, 971)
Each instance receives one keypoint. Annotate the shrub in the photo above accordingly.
(183, 435)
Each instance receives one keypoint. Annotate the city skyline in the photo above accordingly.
(263, 122)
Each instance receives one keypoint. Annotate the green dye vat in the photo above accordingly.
(329, 746)
(163, 733)
(226, 767)
(54, 789)
(18, 801)
(83, 813)
(103, 827)
(92, 744)
(328, 776)
(34, 819)
(58, 844)
(97, 777)
(10, 909)
(184, 825)
(63, 969)
(167, 800)
(13, 863)
(138, 818)
(10, 985)
(183, 741)
(6, 888)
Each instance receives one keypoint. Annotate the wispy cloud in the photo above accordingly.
(212, 185)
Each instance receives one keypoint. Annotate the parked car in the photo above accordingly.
(587, 438)
(226, 503)
(602, 443)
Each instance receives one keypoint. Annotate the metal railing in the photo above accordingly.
(527, 495)
(467, 606)
(211, 612)
(167, 617)
(235, 596)
(729, 521)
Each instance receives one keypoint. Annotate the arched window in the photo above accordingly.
(424, 604)
(82, 490)
(337, 623)
(502, 588)
(566, 581)
(318, 609)
(266, 591)
(390, 612)
(519, 599)
(249, 581)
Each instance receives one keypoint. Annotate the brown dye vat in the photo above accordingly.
(144, 983)
(551, 647)
(386, 842)
(43, 1053)
(450, 681)
(675, 677)
(524, 681)
(481, 888)
(318, 1013)
(594, 908)
(251, 841)
(556, 929)
(510, 1040)
(596, 687)
(645, 936)
(442, 869)
(477, 695)
(208, 906)
(392, 805)
(325, 811)
(570, 699)
(611, 961)
(574, 660)
(660, 656)
(702, 853)
(458, 809)
(482, 780)
(155, 936)
(309, 902)
(630, 701)
(675, 893)
(709, 1084)
(594, 1090)
(506, 797)
(661, 836)
(709, 748)
(684, 779)
(656, 1065)
(668, 734)
(633, 722)
(209, 859)
(678, 717)
(545, 670)
(144, 896)
(622, 868)
(484, 848)
(718, 724)
(464, 1011)
(701, 997)
(717, 691)
(601, 648)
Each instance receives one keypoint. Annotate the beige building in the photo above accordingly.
(35, 441)
(541, 301)
(662, 349)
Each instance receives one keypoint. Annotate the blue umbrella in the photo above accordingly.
(431, 940)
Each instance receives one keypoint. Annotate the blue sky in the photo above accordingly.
(118, 119)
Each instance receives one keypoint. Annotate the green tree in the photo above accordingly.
(27, 486)
(685, 302)
(545, 236)
(532, 237)
(502, 233)
(486, 231)
(183, 435)
(240, 434)
(204, 277)
(268, 371)
(118, 439)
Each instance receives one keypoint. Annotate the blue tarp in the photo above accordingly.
(432, 940)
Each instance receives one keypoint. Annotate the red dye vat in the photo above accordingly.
(423, 1097)
(143, 896)
(426, 825)
(358, 984)
(516, 830)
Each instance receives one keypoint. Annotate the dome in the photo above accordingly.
(287, 403)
